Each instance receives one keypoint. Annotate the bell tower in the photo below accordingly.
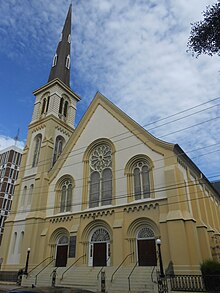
(51, 126)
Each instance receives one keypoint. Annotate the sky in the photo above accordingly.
(133, 51)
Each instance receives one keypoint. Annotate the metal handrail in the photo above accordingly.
(72, 265)
(152, 279)
(121, 265)
(129, 281)
(102, 267)
(42, 270)
(39, 264)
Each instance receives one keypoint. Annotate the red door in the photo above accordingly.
(147, 252)
(61, 257)
(99, 254)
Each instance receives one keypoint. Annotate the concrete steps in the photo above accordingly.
(86, 278)
(79, 277)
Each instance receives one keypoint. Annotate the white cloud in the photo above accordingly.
(134, 52)
(6, 141)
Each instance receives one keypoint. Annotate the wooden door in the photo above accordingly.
(99, 254)
(147, 252)
(61, 257)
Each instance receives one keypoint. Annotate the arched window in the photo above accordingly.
(48, 101)
(58, 148)
(24, 196)
(30, 194)
(21, 241)
(14, 243)
(37, 147)
(54, 60)
(141, 180)
(68, 61)
(61, 106)
(66, 196)
(69, 38)
(65, 109)
(100, 187)
(43, 106)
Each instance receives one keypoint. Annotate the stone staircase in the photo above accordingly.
(86, 278)
(140, 280)
(79, 277)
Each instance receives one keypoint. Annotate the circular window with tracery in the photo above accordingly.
(101, 158)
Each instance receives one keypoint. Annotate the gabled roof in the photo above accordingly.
(129, 123)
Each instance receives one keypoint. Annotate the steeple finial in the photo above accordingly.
(61, 61)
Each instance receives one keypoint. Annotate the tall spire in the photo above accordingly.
(61, 60)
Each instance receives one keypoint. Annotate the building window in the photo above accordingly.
(14, 243)
(45, 104)
(141, 180)
(54, 60)
(140, 177)
(37, 147)
(29, 200)
(69, 38)
(68, 62)
(65, 109)
(66, 196)
(100, 185)
(21, 241)
(58, 148)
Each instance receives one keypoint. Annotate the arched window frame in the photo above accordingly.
(37, 147)
(64, 196)
(45, 103)
(69, 38)
(68, 61)
(29, 200)
(139, 171)
(98, 188)
(55, 60)
(64, 107)
(58, 147)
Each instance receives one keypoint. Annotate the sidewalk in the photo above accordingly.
(6, 287)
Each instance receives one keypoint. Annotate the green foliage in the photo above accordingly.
(205, 35)
(211, 275)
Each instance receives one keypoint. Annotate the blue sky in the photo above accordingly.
(133, 52)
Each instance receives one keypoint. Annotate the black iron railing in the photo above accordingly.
(50, 257)
(102, 268)
(129, 277)
(121, 265)
(42, 270)
(72, 265)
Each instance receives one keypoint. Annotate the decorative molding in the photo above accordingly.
(97, 214)
(39, 127)
(61, 219)
(64, 131)
(141, 207)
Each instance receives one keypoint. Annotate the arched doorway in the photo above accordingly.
(146, 247)
(61, 251)
(99, 248)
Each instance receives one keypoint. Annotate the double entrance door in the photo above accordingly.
(99, 254)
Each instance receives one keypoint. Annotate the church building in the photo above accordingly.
(92, 200)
